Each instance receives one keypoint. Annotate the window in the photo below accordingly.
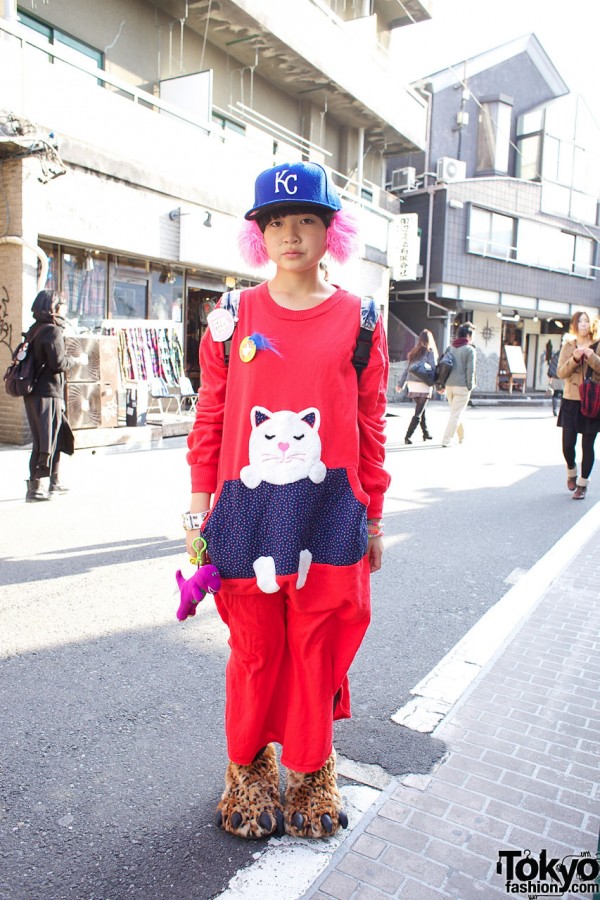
(581, 176)
(584, 256)
(128, 299)
(528, 157)
(551, 154)
(128, 288)
(52, 278)
(84, 286)
(583, 207)
(493, 139)
(530, 243)
(544, 246)
(98, 285)
(80, 274)
(85, 53)
(563, 138)
(550, 248)
(166, 295)
(491, 234)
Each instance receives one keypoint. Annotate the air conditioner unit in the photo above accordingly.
(449, 169)
(404, 179)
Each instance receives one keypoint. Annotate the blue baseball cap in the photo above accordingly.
(302, 183)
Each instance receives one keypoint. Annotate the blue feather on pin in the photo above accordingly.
(262, 342)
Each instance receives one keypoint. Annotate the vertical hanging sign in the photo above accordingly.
(405, 246)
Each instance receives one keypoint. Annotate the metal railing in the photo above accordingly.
(509, 253)
(383, 202)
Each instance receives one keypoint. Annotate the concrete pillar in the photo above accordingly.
(18, 286)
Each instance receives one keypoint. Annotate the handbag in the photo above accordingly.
(443, 368)
(422, 371)
(589, 393)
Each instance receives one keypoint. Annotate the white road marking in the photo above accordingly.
(288, 866)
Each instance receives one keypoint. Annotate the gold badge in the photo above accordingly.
(247, 350)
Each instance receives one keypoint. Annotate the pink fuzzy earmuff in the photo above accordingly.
(342, 236)
(342, 240)
(252, 244)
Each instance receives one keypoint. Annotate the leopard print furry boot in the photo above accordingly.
(250, 806)
(313, 804)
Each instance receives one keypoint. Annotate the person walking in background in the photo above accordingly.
(578, 353)
(50, 430)
(461, 381)
(426, 350)
(556, 383)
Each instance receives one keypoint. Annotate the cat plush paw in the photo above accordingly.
(318, 472)
(264, 569)
(250, 477)
(303, 567)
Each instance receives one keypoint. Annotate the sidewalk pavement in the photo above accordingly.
(521, 773)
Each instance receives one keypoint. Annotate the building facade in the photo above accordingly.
(130, 136)
(506, 203)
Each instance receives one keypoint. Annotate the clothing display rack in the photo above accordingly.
(147, 350)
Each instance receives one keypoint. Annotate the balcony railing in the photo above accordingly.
(508, 253)
(24, 56)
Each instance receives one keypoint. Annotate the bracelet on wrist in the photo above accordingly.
(375, 527)
(193, 521)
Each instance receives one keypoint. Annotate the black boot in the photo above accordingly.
(35, 492)
(426, 435)
(56, 487)
(411, 429)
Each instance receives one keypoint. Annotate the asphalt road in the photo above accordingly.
(111, 711)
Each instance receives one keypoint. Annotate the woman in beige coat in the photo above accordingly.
(578, 353)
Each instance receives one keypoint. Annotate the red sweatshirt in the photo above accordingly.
(291, 442)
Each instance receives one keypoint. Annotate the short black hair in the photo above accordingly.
(46, 302)
(466, 330)
(293, 209)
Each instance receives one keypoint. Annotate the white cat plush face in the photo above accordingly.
(284, 447)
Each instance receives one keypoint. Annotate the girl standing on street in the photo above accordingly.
(425, 349)
(578, 353)
(50, 430)
(287, 468)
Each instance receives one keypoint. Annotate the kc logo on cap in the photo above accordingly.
(284, 178)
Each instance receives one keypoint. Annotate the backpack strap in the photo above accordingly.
(231, 302)
(369, 316)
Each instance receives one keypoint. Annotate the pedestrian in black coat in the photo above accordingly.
(45, 405)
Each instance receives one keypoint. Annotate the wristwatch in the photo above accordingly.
(193, 521)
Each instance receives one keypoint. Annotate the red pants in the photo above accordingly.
(287, 675)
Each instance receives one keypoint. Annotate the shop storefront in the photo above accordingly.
(139, 320)
(514, 347)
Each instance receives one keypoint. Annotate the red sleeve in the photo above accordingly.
(204, 440)
(372, 405)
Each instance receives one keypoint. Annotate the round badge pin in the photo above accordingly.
(247, 350)
(221, 324)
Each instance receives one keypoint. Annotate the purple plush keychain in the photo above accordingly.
(205, 580)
